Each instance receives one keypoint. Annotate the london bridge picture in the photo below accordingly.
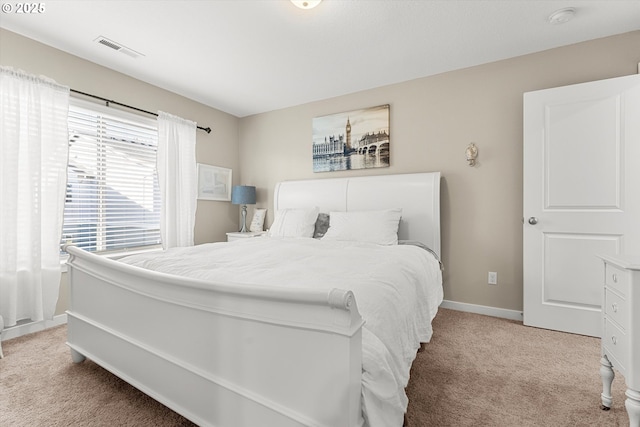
(356, 139)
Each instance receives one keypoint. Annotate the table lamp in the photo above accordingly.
(243, 195)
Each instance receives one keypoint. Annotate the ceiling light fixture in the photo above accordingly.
(306, 4)
(561, 16)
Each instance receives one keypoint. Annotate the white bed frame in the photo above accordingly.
(223, 354)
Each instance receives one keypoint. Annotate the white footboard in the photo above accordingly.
(220, 354)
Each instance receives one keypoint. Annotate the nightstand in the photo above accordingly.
(621, 330)
(236, 235)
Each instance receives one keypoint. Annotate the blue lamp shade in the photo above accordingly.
(243, 195)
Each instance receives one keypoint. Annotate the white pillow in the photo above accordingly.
(294, 223)
(380, 227)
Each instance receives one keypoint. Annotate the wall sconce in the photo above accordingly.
(472, 153)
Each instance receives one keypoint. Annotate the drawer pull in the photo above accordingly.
(614, 340)
(614, 307)
(615, 278)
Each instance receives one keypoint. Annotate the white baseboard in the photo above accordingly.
(28, 328)
(483, 309)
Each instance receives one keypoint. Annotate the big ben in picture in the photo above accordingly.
(348, 142)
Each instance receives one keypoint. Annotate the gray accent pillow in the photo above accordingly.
(322, 225)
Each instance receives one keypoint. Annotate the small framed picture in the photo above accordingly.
(214, 183)
(257, 224)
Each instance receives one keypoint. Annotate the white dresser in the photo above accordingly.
(621, 330)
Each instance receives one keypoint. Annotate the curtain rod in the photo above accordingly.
(109, 101)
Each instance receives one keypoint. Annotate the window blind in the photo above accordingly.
(112, 199)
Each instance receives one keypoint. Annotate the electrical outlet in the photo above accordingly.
(493, 278)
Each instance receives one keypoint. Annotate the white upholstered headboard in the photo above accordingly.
(418, 194)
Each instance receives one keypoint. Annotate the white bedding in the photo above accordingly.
(398, 289)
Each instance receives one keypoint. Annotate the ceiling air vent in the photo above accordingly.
(117, 46)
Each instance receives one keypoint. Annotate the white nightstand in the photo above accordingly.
(621, 330)
(238, 235)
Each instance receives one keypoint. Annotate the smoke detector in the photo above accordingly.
(562, 16)
(117, 47)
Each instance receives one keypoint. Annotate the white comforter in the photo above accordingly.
(397, 288)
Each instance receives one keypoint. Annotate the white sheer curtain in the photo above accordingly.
(177, 176)
(34, 144)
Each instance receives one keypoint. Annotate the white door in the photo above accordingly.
(581, 197)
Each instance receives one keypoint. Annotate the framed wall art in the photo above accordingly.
(214, 183)
(356, 139)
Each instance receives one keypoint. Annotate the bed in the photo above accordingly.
(266, 342)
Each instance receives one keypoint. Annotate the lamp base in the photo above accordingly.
(244, 219)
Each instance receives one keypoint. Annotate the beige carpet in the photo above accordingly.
(477, 371)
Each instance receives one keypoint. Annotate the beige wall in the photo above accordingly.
(432, 121)
(220, 147)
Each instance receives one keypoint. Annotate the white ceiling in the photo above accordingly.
(250, 56)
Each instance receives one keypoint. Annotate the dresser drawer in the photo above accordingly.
(616, 308)
(615, 343)
(616, 278)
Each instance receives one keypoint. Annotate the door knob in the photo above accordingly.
(533, 220)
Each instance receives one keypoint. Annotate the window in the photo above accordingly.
(113, 199)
